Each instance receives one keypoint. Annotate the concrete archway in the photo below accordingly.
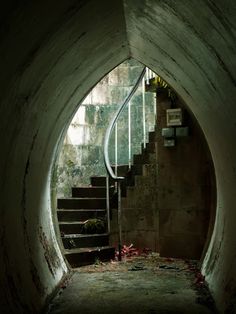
(52, 55)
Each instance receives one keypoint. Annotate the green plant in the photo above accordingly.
(92, 226)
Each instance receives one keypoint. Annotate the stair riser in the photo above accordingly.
(79, 215)
(90, 192)
(81, 203)
(137, 169)
(121, 170)
(87, 258)
(144, 159)
(130, 181)
(74, 229)
(70, 228)
(150, 148)
(152, 137)
(98, 181)
(85, 242)
(141, 159)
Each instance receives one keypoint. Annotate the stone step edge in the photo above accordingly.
(82, 198)
(87, 250)
(80, 210)
(82, 235)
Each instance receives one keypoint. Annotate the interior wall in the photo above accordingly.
(52, 54)
(49, 62)
(185, 185)
(192, 48)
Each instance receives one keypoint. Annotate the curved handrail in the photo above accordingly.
(112, 124)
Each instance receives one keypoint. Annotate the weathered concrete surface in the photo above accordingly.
(52, 53)
(140, 216)
(82, 151)
(147, 289)
(185, 186)
(47, 56)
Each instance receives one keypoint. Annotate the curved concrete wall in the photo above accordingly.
(52, 53)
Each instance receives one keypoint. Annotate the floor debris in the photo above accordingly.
(144, 283)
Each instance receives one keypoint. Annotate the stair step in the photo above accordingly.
(93, 191)
(98, 181)
(86, 256)
(79, 214)
(121, 169)
(152, 136)
(81, 203)
(71, 227)
(90, 191)
(144, 159)
(75, 227)
(150, 147)
(85, 240)
(137, 169)
(141, 159)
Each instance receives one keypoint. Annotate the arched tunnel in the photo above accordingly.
(52, 54)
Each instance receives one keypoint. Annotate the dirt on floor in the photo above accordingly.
(150, 261)
(140, 283)
(162, 267)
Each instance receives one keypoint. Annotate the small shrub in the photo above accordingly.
(92, 226)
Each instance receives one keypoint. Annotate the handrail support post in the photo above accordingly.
(115, 176)
(119, 221)
(108, 203)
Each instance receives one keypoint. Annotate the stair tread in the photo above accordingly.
(91, 187)
(87, 250)
(81, 198)
(82, 235)
(98, 176)
(80, 210)
(72, 222)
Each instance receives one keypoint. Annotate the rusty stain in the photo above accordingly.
(49, 252)
(33, 269)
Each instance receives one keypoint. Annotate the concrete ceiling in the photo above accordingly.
(52, 54)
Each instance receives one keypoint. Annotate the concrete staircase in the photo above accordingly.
(140, 217)
(81, 247)
(90, 203)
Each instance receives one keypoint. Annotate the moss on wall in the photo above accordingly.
(82, 153)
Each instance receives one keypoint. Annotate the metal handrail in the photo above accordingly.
(112, 124)
(110, 172)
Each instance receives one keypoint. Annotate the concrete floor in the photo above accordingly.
(141, 285)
